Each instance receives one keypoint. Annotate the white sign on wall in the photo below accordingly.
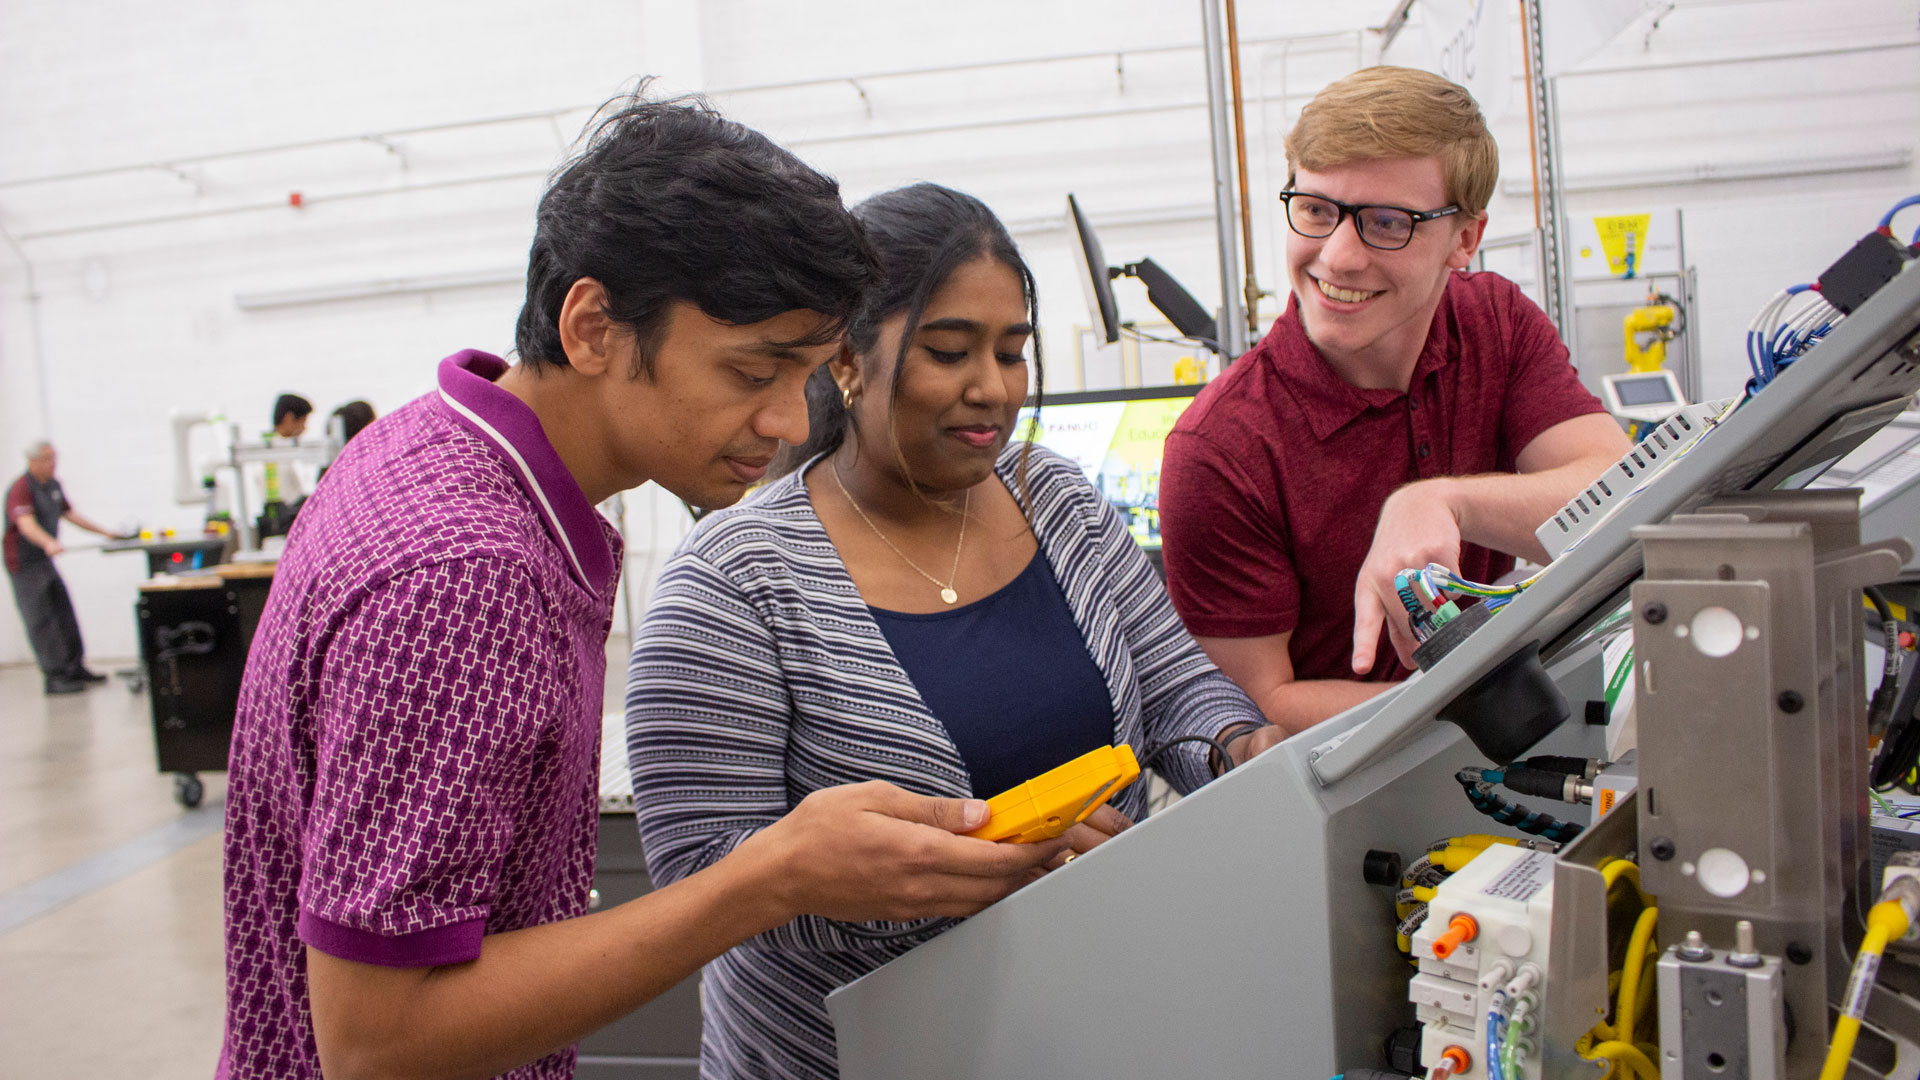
(1471, 42)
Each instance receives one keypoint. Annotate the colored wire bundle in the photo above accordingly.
(1480, 794)
(1423, 591)
(1495, 596)
(1775, 339)
(1426, 606)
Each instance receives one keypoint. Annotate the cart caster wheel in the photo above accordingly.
(187, 790)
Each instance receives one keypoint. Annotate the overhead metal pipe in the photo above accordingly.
(1233, 320)
(1252, 287)
(306, 202)
(1543, 134)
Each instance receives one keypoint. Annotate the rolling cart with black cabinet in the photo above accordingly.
(194, 635)
(167, 555)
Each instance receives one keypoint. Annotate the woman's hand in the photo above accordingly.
(1102, 825)
(873, 851)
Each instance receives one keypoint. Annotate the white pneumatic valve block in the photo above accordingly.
(1485, 939)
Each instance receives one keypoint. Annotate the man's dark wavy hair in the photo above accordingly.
(669, 200)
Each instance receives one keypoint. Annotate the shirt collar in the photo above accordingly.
(467, 387)
(1328, 401)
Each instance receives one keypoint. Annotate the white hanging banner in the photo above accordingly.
(1471, 42)
(1569, 33)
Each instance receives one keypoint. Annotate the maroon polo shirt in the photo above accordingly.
(1274, 478)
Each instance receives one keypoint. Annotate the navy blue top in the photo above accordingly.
(1010, 678)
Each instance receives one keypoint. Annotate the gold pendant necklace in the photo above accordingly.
(947, 593)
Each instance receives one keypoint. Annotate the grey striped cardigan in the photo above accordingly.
(759, 676)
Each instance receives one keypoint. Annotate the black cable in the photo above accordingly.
(1153, 755)
(1559, 763)
(1182, 340)
(1879, 601)
(1540, 783)
(1480, 794)
(1239, 729)
(1899, 756)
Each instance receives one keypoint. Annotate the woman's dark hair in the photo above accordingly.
(668, 200)
(354, 416)
(922, 233)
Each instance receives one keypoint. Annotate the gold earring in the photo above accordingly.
(846, 397)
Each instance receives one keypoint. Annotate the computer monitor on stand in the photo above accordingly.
(1117, 438)
(1166, 294)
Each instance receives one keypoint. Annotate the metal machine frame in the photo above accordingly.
(1234, 936)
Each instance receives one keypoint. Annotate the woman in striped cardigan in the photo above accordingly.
(920, 600)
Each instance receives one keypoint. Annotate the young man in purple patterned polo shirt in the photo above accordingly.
(412, 805)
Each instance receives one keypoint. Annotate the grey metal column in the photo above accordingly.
(1551, 262)
(1233, 311)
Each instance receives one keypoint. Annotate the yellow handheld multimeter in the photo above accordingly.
(1055, 801)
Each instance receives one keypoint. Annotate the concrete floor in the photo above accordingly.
(126, 979)
(110, 922)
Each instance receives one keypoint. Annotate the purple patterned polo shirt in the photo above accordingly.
(415, 759)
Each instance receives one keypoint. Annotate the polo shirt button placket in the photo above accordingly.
(1422, 448)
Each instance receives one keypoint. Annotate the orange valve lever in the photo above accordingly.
(1459, 931)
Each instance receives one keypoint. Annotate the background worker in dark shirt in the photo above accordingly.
(290, 412)
(35, 505)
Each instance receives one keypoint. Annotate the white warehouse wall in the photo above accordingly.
(130, 323)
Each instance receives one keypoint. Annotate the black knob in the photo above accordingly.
(1381, 867)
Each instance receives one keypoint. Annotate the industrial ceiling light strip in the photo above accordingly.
(364, 290)
(1709, 172)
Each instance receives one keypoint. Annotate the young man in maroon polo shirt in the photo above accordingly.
(412, 800)
(1400, 412)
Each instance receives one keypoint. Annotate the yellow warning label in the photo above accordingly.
(1624, 238)
(1606, 800)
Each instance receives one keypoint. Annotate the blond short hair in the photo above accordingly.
(1396, 112)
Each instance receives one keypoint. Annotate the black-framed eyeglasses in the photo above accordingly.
(1388, 228)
